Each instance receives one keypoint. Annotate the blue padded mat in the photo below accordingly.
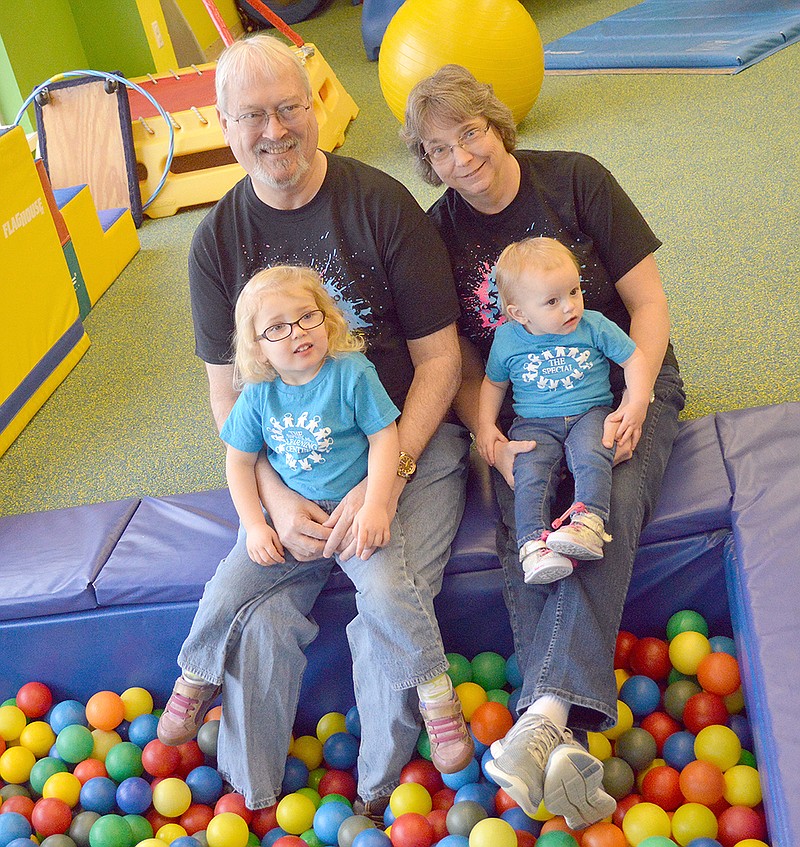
(699, 36)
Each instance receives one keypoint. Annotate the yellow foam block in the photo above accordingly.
(101, 255)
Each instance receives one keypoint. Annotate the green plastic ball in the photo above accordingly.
(460, 669)
(489, 670)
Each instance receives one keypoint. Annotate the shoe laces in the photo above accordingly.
(180, 706)
(447, 728)
(574, 509)
(542, 738)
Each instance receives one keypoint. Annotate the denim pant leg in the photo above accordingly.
(536, 474)
(589, 461)
(429, 513)
(565, 632)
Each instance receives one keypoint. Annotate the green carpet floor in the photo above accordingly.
(711, 161)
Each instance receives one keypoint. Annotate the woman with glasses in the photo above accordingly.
(463, 137)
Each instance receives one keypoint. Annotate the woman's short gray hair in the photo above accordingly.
(452, 95)
(253, 59)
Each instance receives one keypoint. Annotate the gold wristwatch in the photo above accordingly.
(407, 466)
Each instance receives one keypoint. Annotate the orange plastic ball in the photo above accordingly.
(603, 834)
(702, 782)
(490, 722)
(105, 710)
(719, 674)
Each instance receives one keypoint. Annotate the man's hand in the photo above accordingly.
(504, 454)
(300, 525)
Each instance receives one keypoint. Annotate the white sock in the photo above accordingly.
(552, 707)
(193, 677)
(438, 688)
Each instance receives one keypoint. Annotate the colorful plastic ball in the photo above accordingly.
(208, 738)
(603, 834)
(448, 841)
(19, 803)
(624, 721)
(693, 820)
(234, 802)
(490, 721)
(687, 649)
(738, 823)
(143, 730)
(196, 818)
(38, 737)
(599, 745)
(719, 745)
(643, 820)
(51, 816)
(471, 773)
(308, 748)
(65, 786)
(74, 743)
(741, 726)
(519, 820)
(16, 764)
(618, 777)
(327, 820)
(686, 620)
(723, 644)
(43, 769)
(111, 831)
(661, 785)
(338, 782)
(279, 838)
(556, 838)
(641, 694)
(462, 817)
(171, 797)
(445, 797)
(678, 750)
(65, 713)
(185, 841)
(460, 668)
(340, 751)
(330, 723)
(742, 786)
(492, 832)
(489, 670)
(134, 795)
(471, 696)
(676, 696)
(104, 740)
(99, 794)
(206, 785)
(702, 782)
(13, 825)
(424, 773)
(34, 698)
(650, 657)
(702, 710)
(126, 759)
(350, 828)
(412, 830)
(227, 829)
(158, 759)
(58, 840)
(719, 674)
(410, 797)
(657, 841)
(88, 769)
(295, 813)
(105, 710)
(12, 722)
(170, 832)
(734, 703)
(622, 650)
(136, 701)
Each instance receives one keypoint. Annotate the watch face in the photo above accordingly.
(406, 466)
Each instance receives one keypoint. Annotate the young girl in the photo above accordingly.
(317, 404)
(555, 355)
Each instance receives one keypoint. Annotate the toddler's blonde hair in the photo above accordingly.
(249, 362)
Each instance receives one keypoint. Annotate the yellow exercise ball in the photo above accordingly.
(496, 40)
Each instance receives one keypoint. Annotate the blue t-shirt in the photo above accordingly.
(558, 375)
(315, 434)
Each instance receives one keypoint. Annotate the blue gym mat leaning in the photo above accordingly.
(679, 36)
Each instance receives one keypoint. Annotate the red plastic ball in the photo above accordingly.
(490, 722)
(156, 819)
(660, 725)
(424, 773)
(650, 657)
(661, 785)
(622, 651)
(412, 830)
(738, 823)
(525, 838)
(235, 803)
(702, 782)
(190, 757)
(704, 709)
(20, 804)
(444, 798)
(160, 760)
(622, 808)
(438, 820)
(196, 818)
(338, 782)
(34, 699)
(51, 816)
(290, 841)
(719, 674)
(264, 820)
(503, 801)
(89, 769)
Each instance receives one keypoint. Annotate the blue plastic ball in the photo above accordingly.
(471, 773)
(328, 818)
(388, 817)
(143, 730)
(678, 750)
(99, 794)
(513, 700)
(352, 722)
(641, 694)
(478, 792)
(13, 825)
(272, 836)
(340, 751)
(206, 785)
(704, 841)
(520, 820)
(722, 644)
(134, 795)
(295, 775)
(451, 841)
(480, 747)
(487, 757)
(65, 713)
(185, 841)
(22, 842)
(373, 838)
(513, 675)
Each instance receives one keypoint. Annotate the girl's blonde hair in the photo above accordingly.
(529, 255)
(250, 364)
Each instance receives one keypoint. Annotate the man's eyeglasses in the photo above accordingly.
(289, 115)
(277, 332)
(442, 153)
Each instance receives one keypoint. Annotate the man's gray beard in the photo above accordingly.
(263, 175)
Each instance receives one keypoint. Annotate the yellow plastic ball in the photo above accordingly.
(471, 696)
(137, 701)
(65, 786)
(643, 821)
(742, 786)
(12, 722)
(169, 832)
(308, 749)
(693, 820)
(656, 763)
(624, 721)
(492, 832)
(620, 674)
(227, 829)
(410, 797)
(542, 814)
(104, 740)
(752, 842)
(719, 745)
(295, 813)
(16, 764)
(687, 650)
(330, 724)
(172, 797)
(38, 737)
(599, 745)
(496, 40)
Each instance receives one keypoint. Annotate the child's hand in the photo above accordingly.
(263, 545)
(370, 529)
(626, 422)
(486, 440)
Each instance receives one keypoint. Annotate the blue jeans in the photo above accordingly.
(565, 632)
(537, 473)
(394, 638)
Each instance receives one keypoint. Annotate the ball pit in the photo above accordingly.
(677, 777)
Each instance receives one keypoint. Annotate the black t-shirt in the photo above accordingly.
(567, 196)
(378, 254)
